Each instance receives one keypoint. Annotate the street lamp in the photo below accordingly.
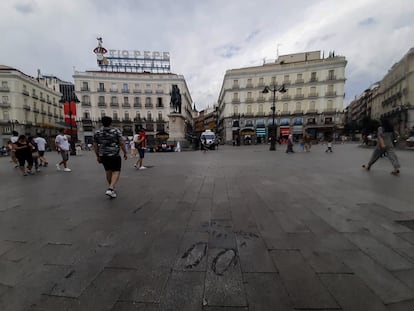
(274, 89)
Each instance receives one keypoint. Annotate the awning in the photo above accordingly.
(245, 132)
(64, 124)
(284, 131)
(261, 131)
(162, 135)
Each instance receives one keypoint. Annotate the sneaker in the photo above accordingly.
(395, 172)
(37, 170)
(67, 169)
(58, 167)
(110, 193)
(30, 172)
(142, 168)
(45, 165)
(135, 166)
(366, 167)
(24, 174)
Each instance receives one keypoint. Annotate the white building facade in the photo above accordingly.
(313, 102)
(134, 100)
(28, 105)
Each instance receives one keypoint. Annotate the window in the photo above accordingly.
(330, 105)
(261, 108)
(126, 100)
(6, 115)
(86, 115)
(313, 77)
(159, 102)
(249, 109)
(299, 76)
(114, 100)
(138, 115)
(4, 85)
(101, 87)
(149, 116)
(286, 79)
(5, 99)
(126, 115)
(249, 95)
(261, 82)
(273, 81)
(85, 99)
(101, 99)
(114, 88)
(235, 96)
(115, 115)
(285, 107)
(299, 91)
(85, 86)
(313, 91)
(331, 75)
(312, 106)
(249, 83)
(125, 87)
(330, 88)
(298, 106)
(236, 109)
(159, 115)
(235, 83)
(148, 101)
(137, 101)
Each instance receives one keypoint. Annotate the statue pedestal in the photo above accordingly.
(176, 128)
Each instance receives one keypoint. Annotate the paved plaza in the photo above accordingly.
(237, 229)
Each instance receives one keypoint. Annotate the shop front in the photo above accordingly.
(247, 135)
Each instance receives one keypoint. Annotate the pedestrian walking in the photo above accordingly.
(140, 144)
(62, 146)
(385, 145)
(13, 140)
(308, 142)
(41, 146)
(290, 144)
(132, 148)
(329, 146)
(23, 152)
(107, 143)
(35, 153)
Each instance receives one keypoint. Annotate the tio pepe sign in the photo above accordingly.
(165, 56)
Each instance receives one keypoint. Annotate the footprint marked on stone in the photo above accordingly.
(194, 255)
(223, 261)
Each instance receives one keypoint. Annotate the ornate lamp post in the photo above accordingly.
(273, 89)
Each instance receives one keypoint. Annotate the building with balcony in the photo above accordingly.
(394, 97)
(313, 102)
(27, 105)
(134, 100)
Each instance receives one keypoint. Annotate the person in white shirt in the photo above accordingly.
(62, 145)
(41, 147)
(13, 140)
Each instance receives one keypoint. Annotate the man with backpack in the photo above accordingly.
(107, 143)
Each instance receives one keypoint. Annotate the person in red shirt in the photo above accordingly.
(141, 144)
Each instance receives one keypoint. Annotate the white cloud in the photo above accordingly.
(207, 38)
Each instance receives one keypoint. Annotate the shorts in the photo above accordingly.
(22, 160)
(111, 163)
(64, 154)
(141, 152)
(41, 153)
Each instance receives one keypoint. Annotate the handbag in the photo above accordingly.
(35, 154)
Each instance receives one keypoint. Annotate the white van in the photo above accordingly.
(208, 139)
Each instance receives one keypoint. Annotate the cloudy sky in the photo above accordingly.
(206, 38)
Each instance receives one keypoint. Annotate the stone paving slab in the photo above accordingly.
(241, 228)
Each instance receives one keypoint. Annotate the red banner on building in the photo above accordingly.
(69, 109)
